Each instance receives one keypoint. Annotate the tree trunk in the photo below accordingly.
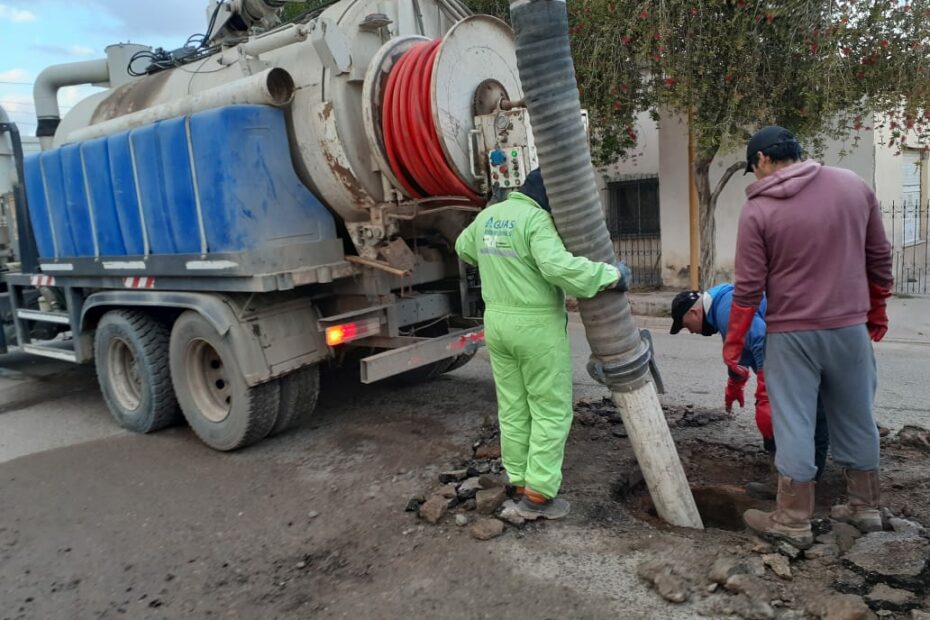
(708, 224)
(707, 208)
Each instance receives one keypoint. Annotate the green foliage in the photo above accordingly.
(293, 10)
(819, 68)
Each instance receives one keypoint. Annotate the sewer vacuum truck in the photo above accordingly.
(226, 217)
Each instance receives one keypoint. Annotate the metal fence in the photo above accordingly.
(906, 226)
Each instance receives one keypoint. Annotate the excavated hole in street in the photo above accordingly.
(721, 506)
(717, 474)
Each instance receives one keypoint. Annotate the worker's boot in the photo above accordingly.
(534, 506)
(791, 520)
(862, 507)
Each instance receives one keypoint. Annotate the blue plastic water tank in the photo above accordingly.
(250, 198)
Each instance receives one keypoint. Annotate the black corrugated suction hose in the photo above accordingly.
(551, 92)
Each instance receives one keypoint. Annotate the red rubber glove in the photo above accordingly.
(739, 324)
(877, 320)
(763, 408)
(735, 385)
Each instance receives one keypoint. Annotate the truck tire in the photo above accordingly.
(131, 356)
(459, 361)
(222, 409)
(299, 392)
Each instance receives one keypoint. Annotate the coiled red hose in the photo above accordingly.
(413, 149)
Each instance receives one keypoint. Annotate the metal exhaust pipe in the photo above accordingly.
(270, 87)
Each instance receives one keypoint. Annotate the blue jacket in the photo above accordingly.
(719, 317)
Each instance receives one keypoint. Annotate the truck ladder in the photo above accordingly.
(67, 348)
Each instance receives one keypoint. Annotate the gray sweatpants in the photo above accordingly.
(838, 364)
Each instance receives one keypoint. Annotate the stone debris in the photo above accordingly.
(488, 451)
(490, 481)
(885, 597)
(461, 520)
(726, 566)
(489, 500)
(448, 491)
(839, 607)
(845, 535)
(456, 475)
(468, 488)
(779, 564)
(788, 550)
(750, 585)
(915, 437)
(510, 514)
(434, 509)
(903, 525)
(762, 547)
(899, 559)
(671, 588)
(664, 580)
(822, 551)
(920, 615)
(413, 504)
(486, 529)
(754, 604)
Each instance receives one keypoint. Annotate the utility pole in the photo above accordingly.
(693, 211)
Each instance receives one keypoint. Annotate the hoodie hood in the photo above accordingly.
(786, 182)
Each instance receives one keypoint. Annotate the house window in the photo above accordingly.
(633, 208)
(633, 222)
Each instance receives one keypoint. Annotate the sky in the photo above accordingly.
(37, 33)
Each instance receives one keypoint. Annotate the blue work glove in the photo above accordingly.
(626, 276)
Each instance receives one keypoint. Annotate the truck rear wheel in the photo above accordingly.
(222, 409)
(459, 361)
(299, 392)
(131, 353)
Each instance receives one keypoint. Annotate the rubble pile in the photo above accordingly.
(602, 413)
(476, 493)
(882, 574)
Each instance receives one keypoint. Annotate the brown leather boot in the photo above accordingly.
(791, 520)
(864, 495)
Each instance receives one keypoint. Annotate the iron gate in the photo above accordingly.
(906, 224)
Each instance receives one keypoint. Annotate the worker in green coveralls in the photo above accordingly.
(525, 271)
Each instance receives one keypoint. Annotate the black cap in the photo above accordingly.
(534, 187)
(763, 139)
(680, 305)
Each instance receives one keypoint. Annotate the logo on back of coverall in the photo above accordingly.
(497, 232)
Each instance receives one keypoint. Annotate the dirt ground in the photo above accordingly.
(314, 524)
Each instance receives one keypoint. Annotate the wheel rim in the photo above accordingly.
(206, 375)
(124, 374)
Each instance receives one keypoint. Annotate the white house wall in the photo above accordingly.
(673, 197)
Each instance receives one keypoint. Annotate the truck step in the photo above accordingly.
(46, 317)
(45, 350)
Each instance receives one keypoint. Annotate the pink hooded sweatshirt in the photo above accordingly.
(811, 238)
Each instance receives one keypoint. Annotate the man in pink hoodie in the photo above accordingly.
(811, 239)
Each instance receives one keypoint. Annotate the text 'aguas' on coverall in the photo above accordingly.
(524, 269)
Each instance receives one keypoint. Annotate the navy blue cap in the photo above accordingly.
(534, 187)
(765, 138)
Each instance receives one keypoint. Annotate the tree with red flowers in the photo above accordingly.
(824, 69)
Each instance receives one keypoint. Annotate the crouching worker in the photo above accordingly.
(708, 313)
(525, 271)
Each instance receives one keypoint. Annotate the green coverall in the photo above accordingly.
(524, 270)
